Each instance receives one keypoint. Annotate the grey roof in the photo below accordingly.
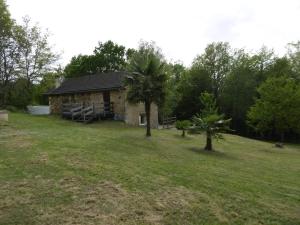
(90, 83)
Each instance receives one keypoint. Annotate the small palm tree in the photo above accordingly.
(209, 120)
(183, 125)
(147, 80)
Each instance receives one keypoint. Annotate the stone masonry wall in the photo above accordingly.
(118, 98)
(133, 112)
(123, 110)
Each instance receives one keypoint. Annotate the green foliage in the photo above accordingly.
(12, 108)
(174, 73)
(216, 62)
(281, 66)
(207, 73)
(24, 55)
(106, 57)
(80, 65)
(277, 108)
(46, 84)
(239, 90)
(294, 58)
(193, 82)
(6, 22)
(110, 57)
(148, 78)
(20, 94)
(183, 125)
(36, 56)
(8, 55)
(209, 120)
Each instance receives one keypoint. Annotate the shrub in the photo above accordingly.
(183, 125)
(20, 94)
(11, 108)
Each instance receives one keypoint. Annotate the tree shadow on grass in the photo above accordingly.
(214, 153)
(179, 136)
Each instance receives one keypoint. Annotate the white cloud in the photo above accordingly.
(181, 28)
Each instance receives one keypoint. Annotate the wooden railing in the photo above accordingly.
(169, 122)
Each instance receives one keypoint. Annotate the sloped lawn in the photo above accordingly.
(54, 171)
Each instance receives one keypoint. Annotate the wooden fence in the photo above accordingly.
(168, 122)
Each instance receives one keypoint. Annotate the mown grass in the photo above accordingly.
(54, 171)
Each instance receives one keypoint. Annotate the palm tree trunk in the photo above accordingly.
(148, 109)
(208, 146)
(183, 133)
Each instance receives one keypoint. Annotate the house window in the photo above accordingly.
(142, 119)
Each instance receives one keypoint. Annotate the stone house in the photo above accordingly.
(106, 92)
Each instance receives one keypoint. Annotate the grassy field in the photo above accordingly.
(59, 172)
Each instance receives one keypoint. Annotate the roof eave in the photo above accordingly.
(87, 91)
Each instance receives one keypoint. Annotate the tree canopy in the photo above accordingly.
(209, 120)
(148, 77)
(25, 54)
(277, 109)
(106, 57)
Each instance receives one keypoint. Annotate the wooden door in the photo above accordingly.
(106, 101)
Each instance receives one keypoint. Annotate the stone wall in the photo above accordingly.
(133, 112)
(55, 104)
(118, 98)
(123, 110)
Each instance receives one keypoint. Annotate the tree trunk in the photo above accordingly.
(208, 146)
(183, 133)
(282, 137)
(148, 109)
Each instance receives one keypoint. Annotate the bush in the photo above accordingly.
(183, 125)
(11, 108)
(20, 94)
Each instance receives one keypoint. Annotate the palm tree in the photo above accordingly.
(147, 78)
(209, 121)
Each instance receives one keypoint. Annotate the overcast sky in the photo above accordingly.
(182, 28)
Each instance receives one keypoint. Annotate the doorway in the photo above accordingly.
(106, 101)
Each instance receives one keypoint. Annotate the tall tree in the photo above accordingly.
(110, 56)
(281, 66)
(174, 72)
(294, 56)
(81, 65)
(262, 61)
(37, 57)
(192, 83)
(148, 78)
(6, 22)
(278, 107)
(239, 90)
(8, 52)
(216, 62)
(107, 56)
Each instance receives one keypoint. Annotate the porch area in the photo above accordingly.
(87, 112)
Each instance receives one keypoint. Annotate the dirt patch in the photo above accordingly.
(72, 201)
(13, 139)
(79, 163)
(109, 203)
(41, 158)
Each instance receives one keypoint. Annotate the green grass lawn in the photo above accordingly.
(54, 171)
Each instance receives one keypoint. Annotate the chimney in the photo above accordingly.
(59, 81)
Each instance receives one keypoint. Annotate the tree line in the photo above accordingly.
(259, 91)
(25, 57)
